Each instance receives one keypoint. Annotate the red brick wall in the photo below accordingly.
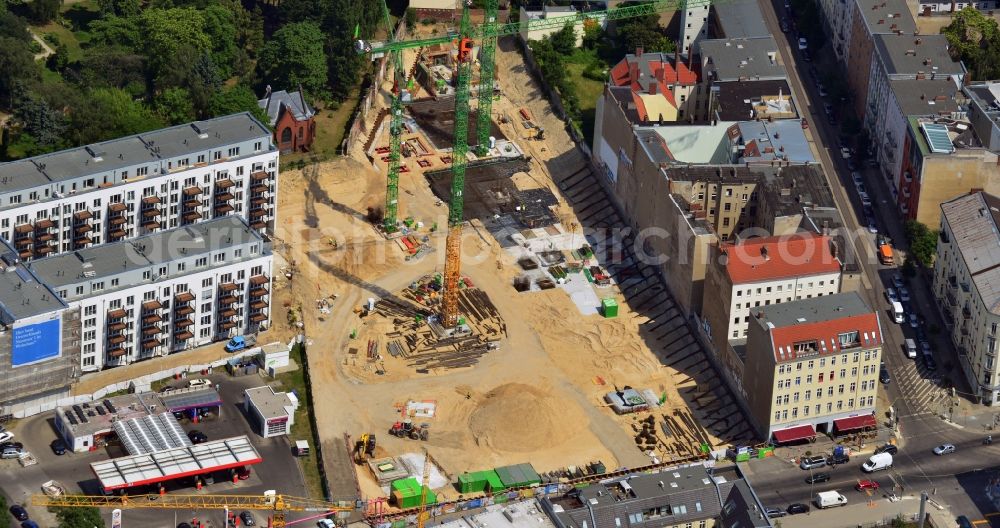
(292, 135)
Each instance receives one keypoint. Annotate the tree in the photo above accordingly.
(923, 242)
(43, 11)
(592, 34)
(13, 26)
(120, 8)
(107, 113)
(235, 100)
(78, 517)
(113, 68)
(174, 106)
(294, 56)
(117, 32)
(975, 39)
(564, 40)
(220, 27)
(645, 33)
(37, 119)
(164, 31)
(16, 64)
(57, 61)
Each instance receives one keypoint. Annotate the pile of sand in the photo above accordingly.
(518, 417)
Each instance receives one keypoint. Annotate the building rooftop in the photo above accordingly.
(987, 96)
(191, 398)
(740, 19)
(203, 135)
(276, 102)
(777, 257)
(21, 175)
(522, 514)
(943, 135)
(766, 141)
(925, 96)
(735, 59)
(916, 54)
(703, 144)
(826, 219)
(101, 417)
(830, 324)
(887, 16)
(269, 403)
(150, 433)
(22, 293)
(739, 100)
(640, 69)
(143, 252)
(974, 220)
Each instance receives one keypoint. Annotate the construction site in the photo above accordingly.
(535, 357)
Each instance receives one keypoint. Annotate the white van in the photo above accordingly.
(829, 499)
(911, 348)
(877, 462)
(897, 312)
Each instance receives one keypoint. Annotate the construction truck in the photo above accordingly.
(364, 448)
(406, 429)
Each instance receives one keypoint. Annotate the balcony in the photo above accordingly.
(116, 208)
(117, 234)
(950, 295)
(117, 314)
(116, 340)
(192, 191)
(151, 212)
(151, 305)
(191, 216)
(151, 200)
(227, 313)
(151, 319)
(258, 305)
(152, 331)
(258, 225)
(223, 209)
(227, 325)
(259, 200)
(82, 216)
(150, 343)
(151, 225)
(117, 221)
(116, 327)
(23, 242)
(43, 250)
(259, 189)
(116, 352)
(184, 310)
(966, 313)
(183, 336)
(44, 237)
(224, 197)
(192, 202)
(44, 225)
(184, 297)
(25, 254)
(258, 317)
(182, 323)
(83, 228)
(228, 286)
(259, 213)
(224, 183)
(259, 176)
(226, 300)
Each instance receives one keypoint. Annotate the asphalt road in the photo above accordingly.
(917, 395)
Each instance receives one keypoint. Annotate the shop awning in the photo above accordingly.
(854, 423)
(800, 432)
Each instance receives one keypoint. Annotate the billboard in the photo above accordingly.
(33, 343)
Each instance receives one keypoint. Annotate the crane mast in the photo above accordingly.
(487, 53)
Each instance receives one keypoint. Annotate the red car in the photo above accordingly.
(242, 472)
(866, 485)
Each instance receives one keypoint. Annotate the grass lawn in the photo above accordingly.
(302, 429)
(587, 90)
(331, 126)
(78, 15)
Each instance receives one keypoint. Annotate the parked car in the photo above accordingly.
(247, 519)
(963, 522)
(857, 178)
(844, 151)
(167, 389)
(197, 437)
(803, 43)
(883, 375)
(806, 56)
(19, 512)
(805, 124)
(325, 523)
(817, 478)
(797, 508)
(929, 362)
(199, 383)
(890, 294)
(29, 524)
(774, 513)
(897, 280)
(242, 472)
(944, 449)
(925, 348)
(921, 334)
(11, 452)
(836, 460)
(812, 462)
(823, 93)
(887, 448)
(6, 436)
(15, 445)
(58, 447)
(904, 295)
(867, 485)
(914, 322)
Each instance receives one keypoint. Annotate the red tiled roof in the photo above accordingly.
(762, 259)
(825, 334)
(626, 72)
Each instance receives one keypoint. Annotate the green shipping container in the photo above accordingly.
(609, 308)
(472, 482)
(493, 483)
(518, 476)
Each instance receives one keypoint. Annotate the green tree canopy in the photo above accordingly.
(164, 31)
(13, 26)
(234, 100)
(975, 39)
(16, 63)
(220, 27)
(923, 242)
(37, 119)
(295, 56)
(120, 8)
(106, 67)
(116, 32)
(564, 40)
(107, 113)
(78, 517)
(174, 106)
(43, 11)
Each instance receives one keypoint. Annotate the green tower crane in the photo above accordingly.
(487, 52)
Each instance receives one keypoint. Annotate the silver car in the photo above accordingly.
(812, 462)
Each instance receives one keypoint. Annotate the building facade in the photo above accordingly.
(966, 275)
(137, 185)
(812, 366)
(291, 118)
(164, 292)
(273, 411)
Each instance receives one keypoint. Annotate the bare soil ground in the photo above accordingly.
(536, 399)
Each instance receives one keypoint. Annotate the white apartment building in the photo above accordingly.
(694, 25)
(137, 185)
(967, 287)
(164, 292)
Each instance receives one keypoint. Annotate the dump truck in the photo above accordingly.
(885, 254)
(240, 343)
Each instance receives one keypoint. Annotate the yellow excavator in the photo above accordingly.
(364, 448)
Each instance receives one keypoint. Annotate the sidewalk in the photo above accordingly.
(861, 514)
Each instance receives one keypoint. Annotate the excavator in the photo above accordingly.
(364, 448)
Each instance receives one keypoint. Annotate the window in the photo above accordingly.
(843, 373)
(798, 380)
(795, 397)
(808, 395)
(822, 362)
(829, 391)
(90, 310)
(820, 377)
(850, 403)
(809, 379)
(840, 389)
(854, 372)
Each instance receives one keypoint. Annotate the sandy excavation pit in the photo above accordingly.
(520, 418)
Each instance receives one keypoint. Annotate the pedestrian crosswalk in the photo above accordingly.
(921, 388)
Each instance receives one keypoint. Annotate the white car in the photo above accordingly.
(913, 320)
(6, 436)
(890, 294)
(944, 449)
(803, 43)
(845, 152)
(325, 523)
(904, 295)
(199, 383)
